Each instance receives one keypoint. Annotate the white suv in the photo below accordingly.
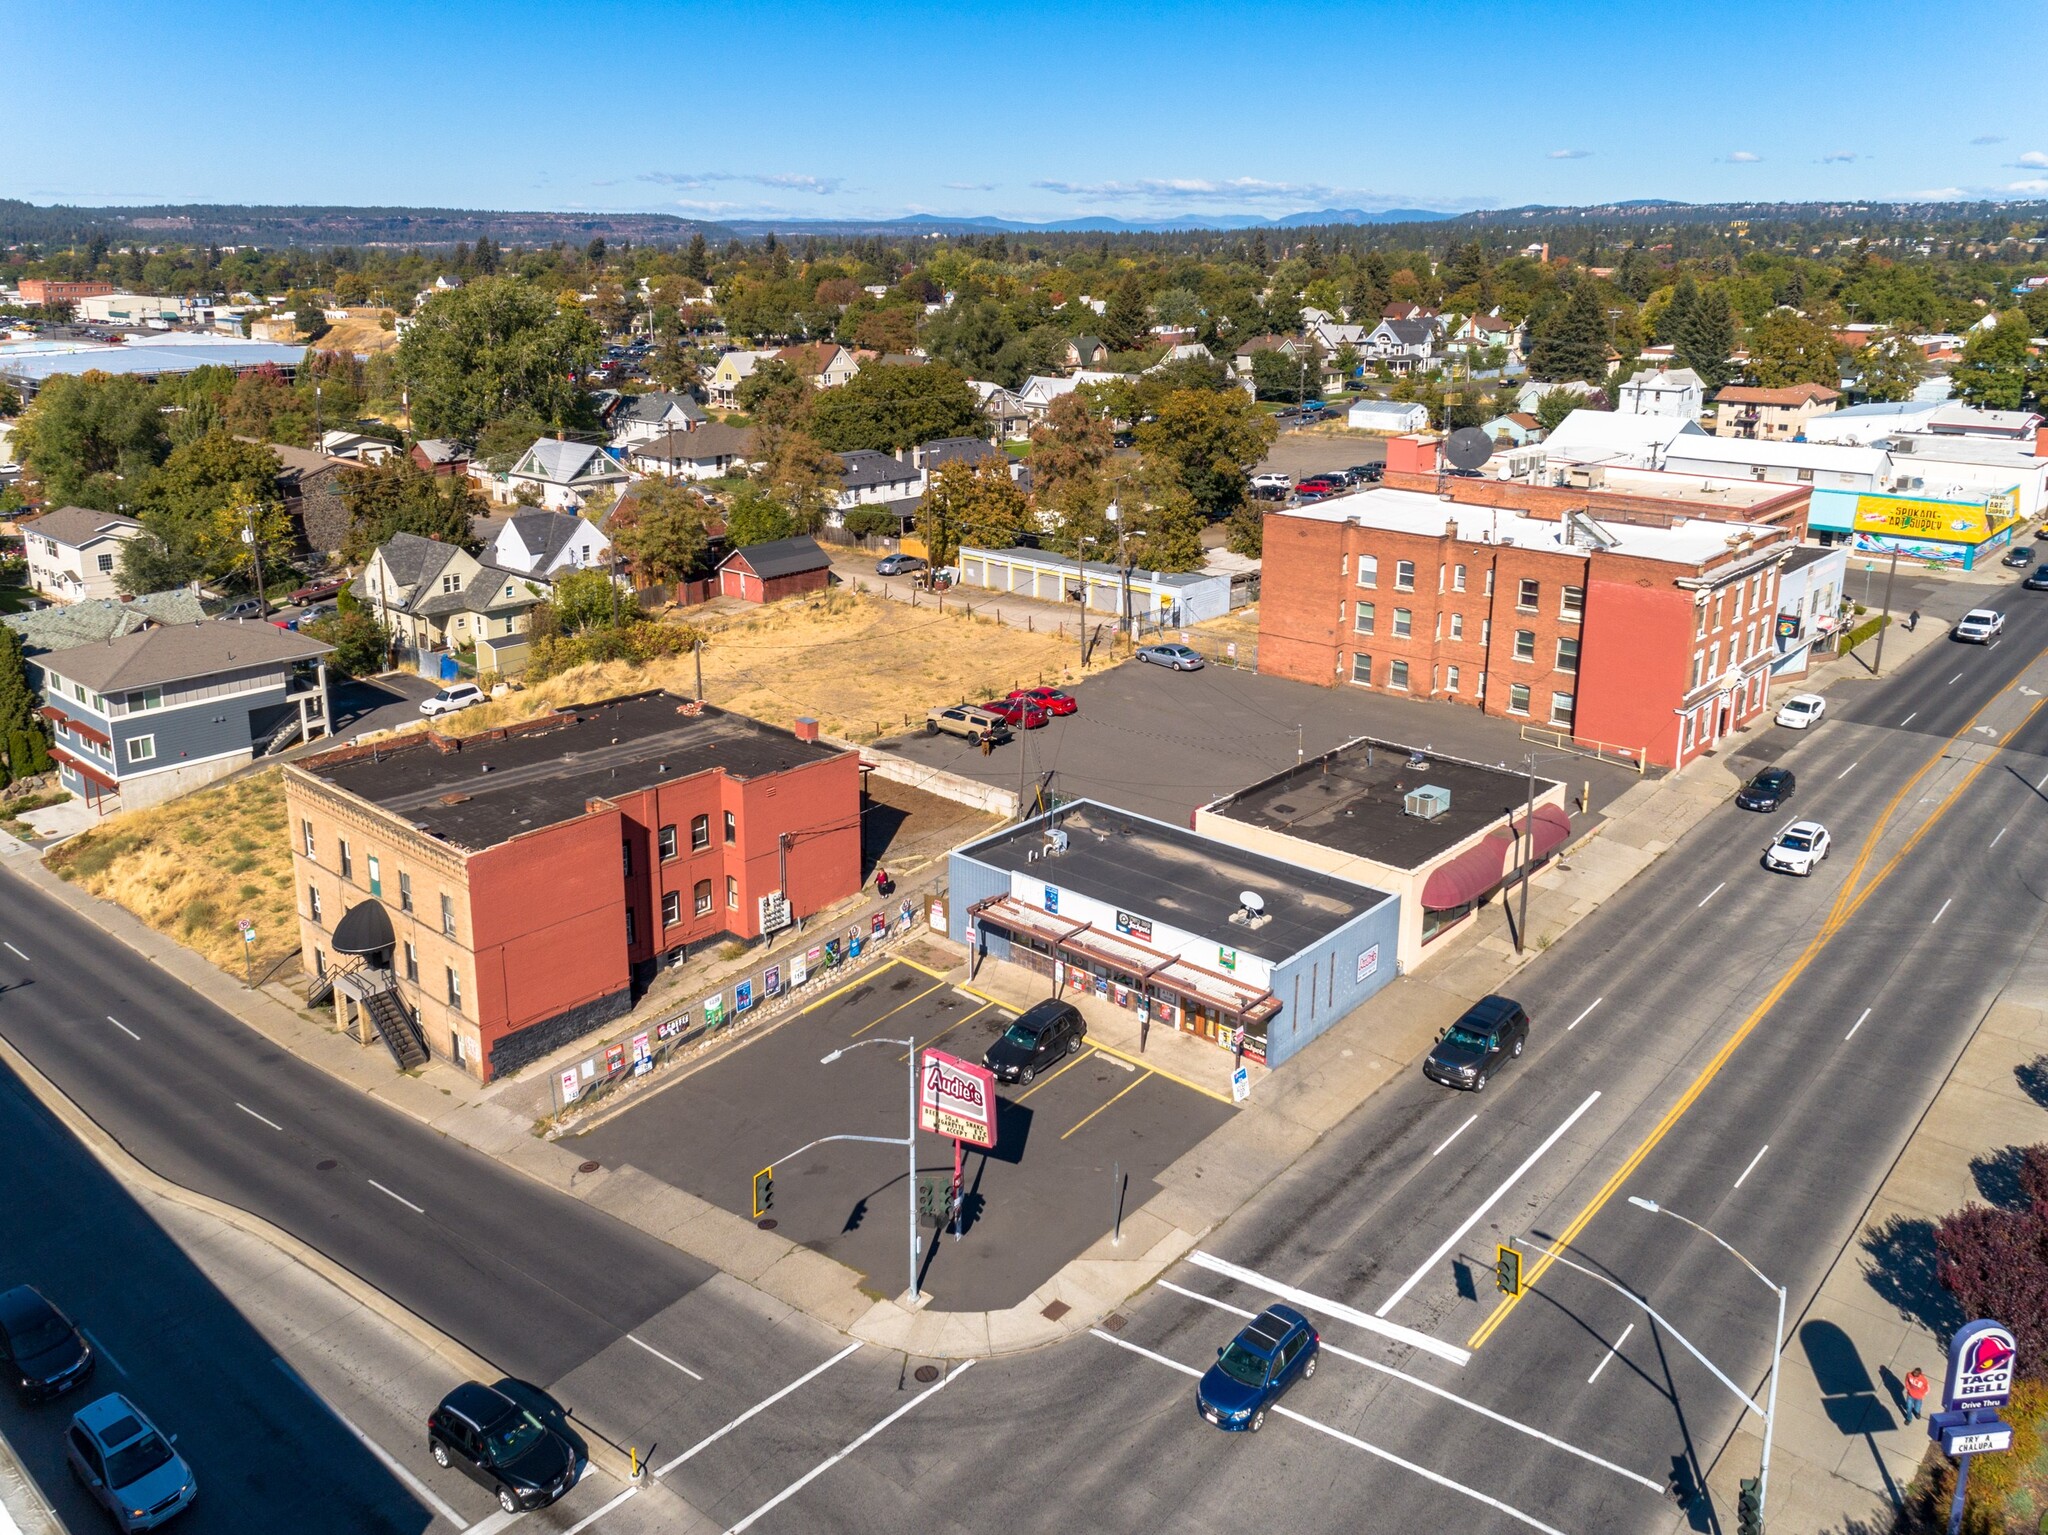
(459, 695)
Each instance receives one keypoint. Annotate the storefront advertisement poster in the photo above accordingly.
(1227, 958)
(938, 916)
(1369, 962)
(642, 1047)
(1129, 926)
(771, 983)
(743, 996)
(1052, 898)
(614, 1058)
(569, 1085)
(877, 925)
(799, 969)
(714, 1010)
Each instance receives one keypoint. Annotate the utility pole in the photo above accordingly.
(1877, 663)
(1528, 858)
(256, 554)
(697, 651)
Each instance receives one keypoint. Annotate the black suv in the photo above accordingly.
(1768, 790)
(491, 1439)
(40, 1347)
(1494, 1029)
(1041, 1035)
(2037, 581)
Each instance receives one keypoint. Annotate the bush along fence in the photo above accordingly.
(578, 1090)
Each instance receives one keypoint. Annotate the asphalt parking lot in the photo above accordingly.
(1299, 454)
(1037, 1199)
(1162, 743)
(364, 704)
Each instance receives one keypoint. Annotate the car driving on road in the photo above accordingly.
(2018, 559)
(1801, 711)
(2037, 579)
(494, 1441)
(1799, 847)
(39, 1346)
(1277, 1348)
(1041, 1035)
(1768, 790)
(1979, 626)
(127, 1464)
(1493, 1030)
(1179, 658)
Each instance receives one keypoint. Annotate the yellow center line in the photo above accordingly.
(1847, 903)
(856, 1034)
(1137, 1084)
(949, 1028)
(1069, 1066)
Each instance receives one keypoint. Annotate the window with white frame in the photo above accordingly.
(1362, 617)
(1561, 709)
(1404, 623)
(1571, 604)
(1525, 644)
(1518, 698)
(1528, 594)
(1450, 679)
(671, 908)
(1457, 578)
(1567, 655)
(1368, 570)
(1397, 675)
(1457, 626)
(1361, 669)
(142, 748)
(1404, 575)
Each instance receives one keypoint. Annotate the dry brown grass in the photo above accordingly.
(1241, 625)
(359, 336)
(861, 666)
(192, 867)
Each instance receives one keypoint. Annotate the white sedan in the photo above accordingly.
(460, 695)
(1801, 710)
(1799, 847)
(1979, 626)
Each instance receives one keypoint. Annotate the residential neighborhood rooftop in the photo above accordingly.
(64, 625)
(173, 654)
(76, 525)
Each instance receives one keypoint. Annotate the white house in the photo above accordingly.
(1329, 333)
(1477, 333)
(1400, 344)
(705, 454)
(1530, 395)
(644, 417)
(1003, 409)
(546, 544)
(73, 552)
(565, 474)
(1610, 437)
(356, 446)
(1664, 392)
(868, 478)
(1390, 416)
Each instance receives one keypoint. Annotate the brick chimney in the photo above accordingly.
(806, 728)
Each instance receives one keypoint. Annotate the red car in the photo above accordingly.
(1021, 713)
(1315, 490)
(1051, 700)
(315, 591)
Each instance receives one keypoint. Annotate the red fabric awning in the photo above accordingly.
(1470, 875)
(1552, 830)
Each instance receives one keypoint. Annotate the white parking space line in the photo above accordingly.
(1451, 1241)
(495, 1523)
(117, 1023)
(1855, 1026)
(830, 1461)
(1453, 1136)
(254, 1115)
(1358, 1444)
(1588, 1012)
(1752, 1166)
(1609, 1355)
(390, 1463)
(11, 949)
(1336, 1310)
(658, 1354)
(1909, 719)
(1944, 907)
(105, 1352)
(1996, 840)
(1850, 768)
(761, 1406)
(1712, 893)
(589, 1519)
(399, 1197)
(1436, 1390)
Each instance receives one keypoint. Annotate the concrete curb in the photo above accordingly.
(123, 1165)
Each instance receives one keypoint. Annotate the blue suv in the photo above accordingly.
(1277, 1348)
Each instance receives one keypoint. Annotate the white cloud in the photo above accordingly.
(1989, 138)
(970, 186)
(1839, 157)
(2034, 188)
(1744, 157)
(2033, 160)
(823, 186)
(1190, 189)
(1568, 154)
(1940, 195)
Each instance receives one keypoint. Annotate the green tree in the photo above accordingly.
(1574, 342)
(397, 497)
(1207, 442)
(1786, 349)
(362, 646)
(775, 395)
(583, 600)
(891, 406)
(756, 517)
(664, 530)
(1891, 368)
(22, 728)
(499, 444)
(872, 522)
(311, 319)
(1277, 376)
(204, 497)
(91, 440)
(1248, 530)
(1126, 318)
(975, 504)
(1677, 314)
(1072, 441)
(493, 348)
(1707, 338)
(1997, 368)
(1553, 405)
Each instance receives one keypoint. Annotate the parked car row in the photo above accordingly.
(994, 721)
(1316, 487)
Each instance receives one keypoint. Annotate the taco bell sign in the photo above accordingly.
(956, 1098)
(1980, 1367)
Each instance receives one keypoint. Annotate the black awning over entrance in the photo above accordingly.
(365, 928)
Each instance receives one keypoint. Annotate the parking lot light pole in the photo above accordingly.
(909, 1140)
(1763, 1489)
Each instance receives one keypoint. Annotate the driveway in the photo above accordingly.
(365, 704)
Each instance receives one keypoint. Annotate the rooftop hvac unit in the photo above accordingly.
(1427, 802)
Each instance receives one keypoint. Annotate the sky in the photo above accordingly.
(1028, 111)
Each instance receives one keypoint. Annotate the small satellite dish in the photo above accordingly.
(1468, 447)
(1251, 900)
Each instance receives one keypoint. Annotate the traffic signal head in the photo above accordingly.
(764, 1192)
(1749, 1508)
(1507, 1270)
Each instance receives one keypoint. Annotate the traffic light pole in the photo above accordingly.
(908, 1142)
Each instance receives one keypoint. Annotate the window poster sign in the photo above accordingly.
(643, 1055)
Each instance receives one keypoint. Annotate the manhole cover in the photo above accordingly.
(588, 1167)
(926, 1373)
(767, 1223)
(1114, 1321)
(327, 1165)
(1055, 1311)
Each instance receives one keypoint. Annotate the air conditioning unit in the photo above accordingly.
(1427, 802)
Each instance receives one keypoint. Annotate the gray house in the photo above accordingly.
(144, 717)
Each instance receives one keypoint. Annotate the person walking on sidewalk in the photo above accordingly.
(1917, 1385)
(1912, 620)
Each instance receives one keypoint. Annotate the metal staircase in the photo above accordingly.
(395, 1026)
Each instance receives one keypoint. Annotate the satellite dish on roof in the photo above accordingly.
(1251, 900)
(1468, 447)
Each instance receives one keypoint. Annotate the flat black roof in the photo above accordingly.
(1170, 874)
(541, 776)
(1354, 799)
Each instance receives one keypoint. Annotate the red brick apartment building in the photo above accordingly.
(1651, 636)
(51, 290)
(519, 887)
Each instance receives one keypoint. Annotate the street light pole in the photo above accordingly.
(256, 553)
(1528, 857)
(1877, 662)
(1763, 1489)
(909, 1140)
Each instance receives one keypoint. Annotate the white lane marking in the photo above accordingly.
(1604, 1358)
(1844, 774)
(830, 1461)
(1944, 907)
(1453, 1136)
(761, 1406)
(254, 1115)
(19, 955)
(1855, 1026)
(495, 1523)
(1451, 1241)
(1909, 719)
(390, 1462)
(105, 1352)
(117, 1023)
(2044, 781)
(1434, 1390)
(1712, 893)
(1752, 1165)
(658, 1354)
(399, 1197)
(587, 1521)
(1334, 1309)
(1585, 1015)
(1958, 677)
(1995, 840)
(1359, 1444)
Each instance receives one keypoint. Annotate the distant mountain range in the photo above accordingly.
(939, 223)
